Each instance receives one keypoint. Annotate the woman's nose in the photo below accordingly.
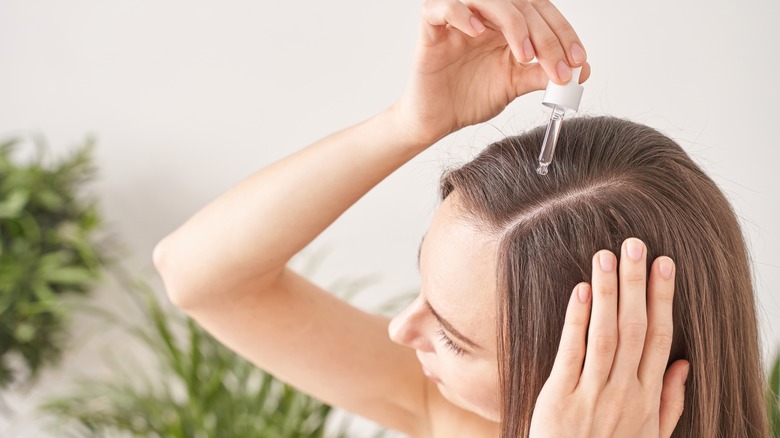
(407, 328)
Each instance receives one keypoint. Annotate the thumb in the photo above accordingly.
(673, 396)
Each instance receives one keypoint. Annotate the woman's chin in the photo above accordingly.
(492, 415)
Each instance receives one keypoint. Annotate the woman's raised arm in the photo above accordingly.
(225, 267)
(244, 238)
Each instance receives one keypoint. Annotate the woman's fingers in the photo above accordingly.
(602, 334)
(452, 12)
(549, 50)
(658, 344)
(536, 29)
(534, 78)
(673, 397)
(627, 347)
(511, 23)
(585, 72)
(531, 28)
(632, 312)
(575, 55)
(567, 367)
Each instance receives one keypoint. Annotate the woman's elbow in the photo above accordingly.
(161, 260)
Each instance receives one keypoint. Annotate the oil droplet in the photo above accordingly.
(542, 169)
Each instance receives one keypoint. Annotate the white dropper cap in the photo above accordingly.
(566, 96)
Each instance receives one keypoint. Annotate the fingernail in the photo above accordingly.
(634, 249)
(577, 53)
(583, 293)
(685, 373)
(476, 24)
(564, 71)
(666, 266)
(528, 49)
(606, 261)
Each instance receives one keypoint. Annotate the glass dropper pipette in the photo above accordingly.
(550, 139)
(560, 98)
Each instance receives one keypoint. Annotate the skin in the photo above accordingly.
(457, 267)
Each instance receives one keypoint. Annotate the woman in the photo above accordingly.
(506, 243)
(505, 353)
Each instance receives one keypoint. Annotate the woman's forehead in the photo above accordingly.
(457, 267)
(450, 233)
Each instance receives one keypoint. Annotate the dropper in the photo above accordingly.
(560, 98)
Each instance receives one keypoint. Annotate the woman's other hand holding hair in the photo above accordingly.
(473, 57)
(623, 389)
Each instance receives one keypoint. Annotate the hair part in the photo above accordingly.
(612, 179)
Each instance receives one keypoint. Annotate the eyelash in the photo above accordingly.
(451, 345)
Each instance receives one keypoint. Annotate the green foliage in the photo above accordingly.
(773, 396)
(223, 395)
(46, 251)
(202, 388)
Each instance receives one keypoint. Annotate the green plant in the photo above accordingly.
(202, 389)
(773, 396)
(46, 251)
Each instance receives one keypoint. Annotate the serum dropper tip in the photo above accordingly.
(542, 169)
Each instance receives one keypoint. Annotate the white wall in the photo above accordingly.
(187, 98)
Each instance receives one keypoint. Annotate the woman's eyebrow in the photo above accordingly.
(451, 329)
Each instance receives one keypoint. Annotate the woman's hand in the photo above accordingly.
(624, 388)
(462, 76)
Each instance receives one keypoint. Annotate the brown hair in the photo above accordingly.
(612, 179)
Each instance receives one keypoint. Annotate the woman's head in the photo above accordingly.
(532, 237)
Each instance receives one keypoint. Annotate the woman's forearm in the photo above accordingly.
(249, 233)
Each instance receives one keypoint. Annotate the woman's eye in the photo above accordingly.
(451, 345)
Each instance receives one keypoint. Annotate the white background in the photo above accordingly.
(188, 97)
